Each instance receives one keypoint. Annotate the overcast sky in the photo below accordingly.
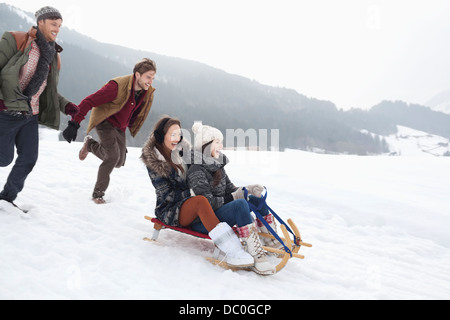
(354, 53)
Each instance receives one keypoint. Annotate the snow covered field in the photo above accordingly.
(379, 228)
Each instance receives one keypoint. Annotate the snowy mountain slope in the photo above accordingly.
(378, 225)
(440, 102)
(410, 142)
(442, 107)
(24, 15)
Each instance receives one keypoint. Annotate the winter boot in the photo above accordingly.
(227, 241)
(269, 242)
(99, 200)
(97, 196)
(252, 244)
(84, 150)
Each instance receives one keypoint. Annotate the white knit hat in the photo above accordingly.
(204, 134)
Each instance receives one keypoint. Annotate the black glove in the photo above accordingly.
(70, 134)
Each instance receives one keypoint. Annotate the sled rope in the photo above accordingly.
(257, 209)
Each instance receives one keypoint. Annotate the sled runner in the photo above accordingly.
(291, 246)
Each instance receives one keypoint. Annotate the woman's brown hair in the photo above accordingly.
(157, 139)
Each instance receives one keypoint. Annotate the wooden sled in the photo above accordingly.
(285, 255)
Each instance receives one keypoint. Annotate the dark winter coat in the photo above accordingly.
(14, 52)
(170, 186)
(200, 178)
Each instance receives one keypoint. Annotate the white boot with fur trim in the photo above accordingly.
(227, 241)
(250, 240)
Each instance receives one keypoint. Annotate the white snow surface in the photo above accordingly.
(379, 228)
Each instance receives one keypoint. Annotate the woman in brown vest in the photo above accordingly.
(124, 102)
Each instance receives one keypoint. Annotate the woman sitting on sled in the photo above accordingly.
(176, 205)
(207, 177)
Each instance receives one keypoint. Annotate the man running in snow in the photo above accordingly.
(29, 66)
(124, 102)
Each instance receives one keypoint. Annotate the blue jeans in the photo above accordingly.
(21, 132)
(235, 213)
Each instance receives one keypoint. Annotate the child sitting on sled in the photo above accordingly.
(207, 177)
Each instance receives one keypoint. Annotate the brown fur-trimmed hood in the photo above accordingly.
(155, 161)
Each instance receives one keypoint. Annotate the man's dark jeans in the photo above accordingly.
(22, 132)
